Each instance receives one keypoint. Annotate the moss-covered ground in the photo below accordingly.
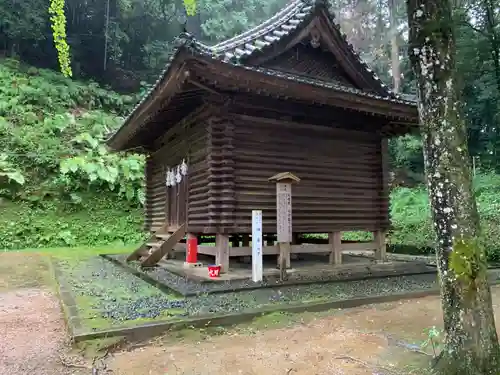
(107, 296)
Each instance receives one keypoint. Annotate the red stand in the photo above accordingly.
(192, 250)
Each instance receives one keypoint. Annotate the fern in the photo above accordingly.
(53, 130)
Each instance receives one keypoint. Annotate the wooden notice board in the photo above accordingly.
(284, 211)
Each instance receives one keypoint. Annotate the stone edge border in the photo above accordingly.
(149, 330)
(145, 331)
(168, 289)
(68, 303)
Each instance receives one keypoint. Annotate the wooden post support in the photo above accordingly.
(284, 218)
(296, 240)
(235, 240)
(245, 240)
(222, 251)
(380, 252)
(335, 241)
(269, 240)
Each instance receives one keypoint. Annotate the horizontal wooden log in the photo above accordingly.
(295, 249)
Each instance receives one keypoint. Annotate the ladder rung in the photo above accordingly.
(155, 244)
(163, 236)
(143, 253)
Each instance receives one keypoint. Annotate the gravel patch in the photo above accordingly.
(108, 295)
(189, 287)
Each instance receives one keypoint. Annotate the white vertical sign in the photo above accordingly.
(256, 246)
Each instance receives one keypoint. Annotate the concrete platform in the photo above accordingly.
(307, 266)
(171, 275)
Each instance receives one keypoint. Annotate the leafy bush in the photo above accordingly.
(52, 130)
(60, 185)
(411, 218)
(97, 220)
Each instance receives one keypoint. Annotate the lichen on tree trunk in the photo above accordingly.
(470, 342)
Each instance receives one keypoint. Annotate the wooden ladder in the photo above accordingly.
(158, 245)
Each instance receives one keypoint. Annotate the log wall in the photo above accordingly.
(171, 204)
(156, 195)
(218, 188)
(341, 176)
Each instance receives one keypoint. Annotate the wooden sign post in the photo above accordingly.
(284, 218)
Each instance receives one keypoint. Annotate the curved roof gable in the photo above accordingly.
(288, 27)
(251, 49)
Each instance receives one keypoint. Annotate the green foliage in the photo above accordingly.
(9, 173)
(95, 220)
(52, 130)
(412, 229)
(95, 167)
(434, 339)
(406, 153)
(58, 23)
(62, 186)
(190, 6)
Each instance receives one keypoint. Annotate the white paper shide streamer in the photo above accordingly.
(174, 175)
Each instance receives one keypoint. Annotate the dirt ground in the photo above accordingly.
(358, 341)
(32, 332)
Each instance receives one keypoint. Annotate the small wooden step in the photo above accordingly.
(166, 247)
(143, 253)
(155, 244)
(163, 236)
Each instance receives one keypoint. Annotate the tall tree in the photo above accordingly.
(395, 65)
(471, 342)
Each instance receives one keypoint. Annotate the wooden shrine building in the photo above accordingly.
(289, 95)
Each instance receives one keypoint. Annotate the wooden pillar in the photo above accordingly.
(245, 240)
(284, 218)
(269, 240)
(380, 252)
(222, 251)
(335, 242)
(296, 240)
(235, 240)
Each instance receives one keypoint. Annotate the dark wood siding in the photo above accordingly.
(310, 62)
(341, 184)
(156, 194)
(221, 184)
(198, 184)
(188, 143)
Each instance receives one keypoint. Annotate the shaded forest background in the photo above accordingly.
(60, 186)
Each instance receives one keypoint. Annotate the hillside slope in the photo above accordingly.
(56, 176)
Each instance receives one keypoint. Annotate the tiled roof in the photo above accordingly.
(236, 50)
(296, 13)
(333, 85)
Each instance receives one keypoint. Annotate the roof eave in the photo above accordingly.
(165, 86)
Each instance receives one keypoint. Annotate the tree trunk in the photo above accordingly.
(470, 341)
(395, 65)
